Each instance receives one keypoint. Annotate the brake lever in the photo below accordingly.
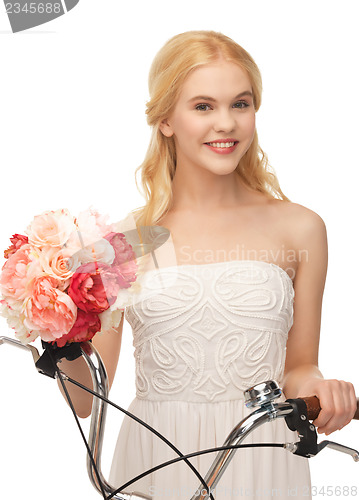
(307, 445)
(298, 421)
(339, 447)
(17, 343)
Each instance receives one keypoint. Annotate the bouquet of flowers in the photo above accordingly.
(67, 279)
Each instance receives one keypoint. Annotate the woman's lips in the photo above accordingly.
(222, 150)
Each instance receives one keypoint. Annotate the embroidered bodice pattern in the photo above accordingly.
(205, 333)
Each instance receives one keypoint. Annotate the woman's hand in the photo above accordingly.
(337, 401)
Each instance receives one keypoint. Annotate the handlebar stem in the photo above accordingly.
(265, 413)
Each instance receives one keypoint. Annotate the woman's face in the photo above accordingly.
(214, 110)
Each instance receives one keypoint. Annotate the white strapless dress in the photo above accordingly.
(202, 336)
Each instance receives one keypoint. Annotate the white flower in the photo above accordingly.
(99, 251)
(100, 221)
(92, 225)
(110, 319)
(90, 229)
(12, 310)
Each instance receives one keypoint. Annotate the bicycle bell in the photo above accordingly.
(262, 394)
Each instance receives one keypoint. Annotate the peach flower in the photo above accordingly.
(18, 272)
(52, 228)
(49, 311)
(58, 263)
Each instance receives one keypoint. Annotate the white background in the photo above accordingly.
(72, 132)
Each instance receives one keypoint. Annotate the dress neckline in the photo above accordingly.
(235, 261)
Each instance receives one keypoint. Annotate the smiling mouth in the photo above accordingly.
(221, 144)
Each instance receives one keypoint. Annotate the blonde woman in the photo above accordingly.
(250, 274)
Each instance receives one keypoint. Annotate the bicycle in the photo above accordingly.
(261, 398)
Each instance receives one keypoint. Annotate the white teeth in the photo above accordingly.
(221, 144)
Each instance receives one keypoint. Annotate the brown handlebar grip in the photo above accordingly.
(313, 407)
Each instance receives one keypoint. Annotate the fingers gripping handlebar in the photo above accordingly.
(313, 407)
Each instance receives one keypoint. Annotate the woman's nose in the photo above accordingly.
(224, 121)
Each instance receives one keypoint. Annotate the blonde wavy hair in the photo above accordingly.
(171, 66)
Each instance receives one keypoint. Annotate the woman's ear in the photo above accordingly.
(166, 128)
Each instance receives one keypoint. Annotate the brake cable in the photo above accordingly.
(260, 395)
(164, 464)
(71, 353)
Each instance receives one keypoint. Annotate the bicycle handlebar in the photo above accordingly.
(313, 407)
(297, 413)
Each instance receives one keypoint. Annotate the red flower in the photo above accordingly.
(17, 241)
(95, 285)
(85, 327)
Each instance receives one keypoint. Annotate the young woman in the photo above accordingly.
(250, 275)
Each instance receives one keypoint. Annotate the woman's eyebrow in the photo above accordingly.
(207, 98)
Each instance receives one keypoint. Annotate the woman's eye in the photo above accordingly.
(201, 107)
(242, 104)
(238, 105)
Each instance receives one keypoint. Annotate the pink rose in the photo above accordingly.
(123, 250)
(127, 270)
(49, 311)
(85, 327)
(17, 273)
(125, 257)
(17, 241)
(94, 286)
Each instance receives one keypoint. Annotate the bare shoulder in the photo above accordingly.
(300, 220)
(307, 236)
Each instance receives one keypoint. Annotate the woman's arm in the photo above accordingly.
(302, 376)
(108, 344)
